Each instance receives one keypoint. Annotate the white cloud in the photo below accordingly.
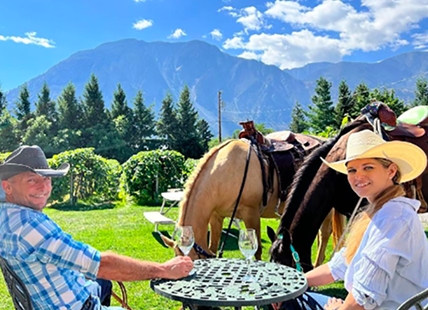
(325, 31)
(225, 8)
(249, 55)
(216, 34)
(420, 40)
(234, 43)
(178, 33)
(30, 38)
(249, 17)
(142, 24)
(140, 1)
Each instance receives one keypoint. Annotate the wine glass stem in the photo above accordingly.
(248, 266)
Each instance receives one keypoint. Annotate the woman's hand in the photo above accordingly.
(333, 304)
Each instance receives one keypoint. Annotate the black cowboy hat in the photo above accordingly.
(29, 158)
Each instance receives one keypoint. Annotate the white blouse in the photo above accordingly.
(391, 263)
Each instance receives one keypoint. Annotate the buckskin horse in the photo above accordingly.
(316, 188)
(244, 167)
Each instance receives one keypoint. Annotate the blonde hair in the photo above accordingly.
(362, 220)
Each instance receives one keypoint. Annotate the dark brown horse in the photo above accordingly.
(314, 191)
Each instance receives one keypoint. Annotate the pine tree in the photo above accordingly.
(98, 129)
(361, 97)
(205, 136)
(187, 118)
(23, 108)
(166, 125)
(321, 114)
(143, 127)
(45, 106)
(344, 105)
(3, 102)
(119, 105)
(70, 111)
(93, 103)
(23, 104)
(421, 92)
(69, 120)
(298, 120)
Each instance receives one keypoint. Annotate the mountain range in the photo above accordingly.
(249, 89)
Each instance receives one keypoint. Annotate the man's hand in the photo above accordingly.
(177, 268)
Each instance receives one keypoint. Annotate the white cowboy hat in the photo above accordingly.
(409, 158)
(29, 158)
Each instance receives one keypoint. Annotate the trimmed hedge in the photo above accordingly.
(93, 177)
(149, 173)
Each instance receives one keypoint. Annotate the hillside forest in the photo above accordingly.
(69, 122)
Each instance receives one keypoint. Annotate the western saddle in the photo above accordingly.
(283, 152)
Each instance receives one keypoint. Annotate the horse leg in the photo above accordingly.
(323, 235)
(216, 225)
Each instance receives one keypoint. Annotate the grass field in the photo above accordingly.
(123, 229)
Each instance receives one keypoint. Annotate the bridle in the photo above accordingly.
(294, 254)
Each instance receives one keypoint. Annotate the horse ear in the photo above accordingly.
(169, 242)
(271, 234)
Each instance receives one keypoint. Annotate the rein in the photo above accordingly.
(294, 254)
(247, 162)
(200, 251)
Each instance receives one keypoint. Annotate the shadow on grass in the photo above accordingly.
(82, 206)
(157, 236)
(231, 240)
(426, 233)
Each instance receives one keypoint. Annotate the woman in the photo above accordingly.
(385, 258)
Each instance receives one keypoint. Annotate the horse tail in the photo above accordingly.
(338, 224)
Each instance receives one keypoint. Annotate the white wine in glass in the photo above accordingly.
(248, 245)
(185, 238)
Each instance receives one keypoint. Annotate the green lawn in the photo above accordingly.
(123, 229)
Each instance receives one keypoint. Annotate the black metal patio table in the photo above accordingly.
(217, 283)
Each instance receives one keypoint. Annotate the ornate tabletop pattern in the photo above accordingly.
(218, 282)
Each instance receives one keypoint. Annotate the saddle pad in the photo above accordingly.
(414, 115)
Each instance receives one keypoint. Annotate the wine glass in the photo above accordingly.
(185, 240)
(248, 246)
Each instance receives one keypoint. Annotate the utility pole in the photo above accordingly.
(219, 116)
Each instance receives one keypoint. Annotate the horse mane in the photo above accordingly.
(306, 174)
(188, 187)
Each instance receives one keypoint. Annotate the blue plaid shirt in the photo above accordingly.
(53, 266)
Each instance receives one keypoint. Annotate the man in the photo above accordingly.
(59, 271)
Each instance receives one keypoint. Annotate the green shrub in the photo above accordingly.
(189, 166)
(148, 173)
(94, 177)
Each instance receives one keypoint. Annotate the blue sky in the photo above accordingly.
(37, 34)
